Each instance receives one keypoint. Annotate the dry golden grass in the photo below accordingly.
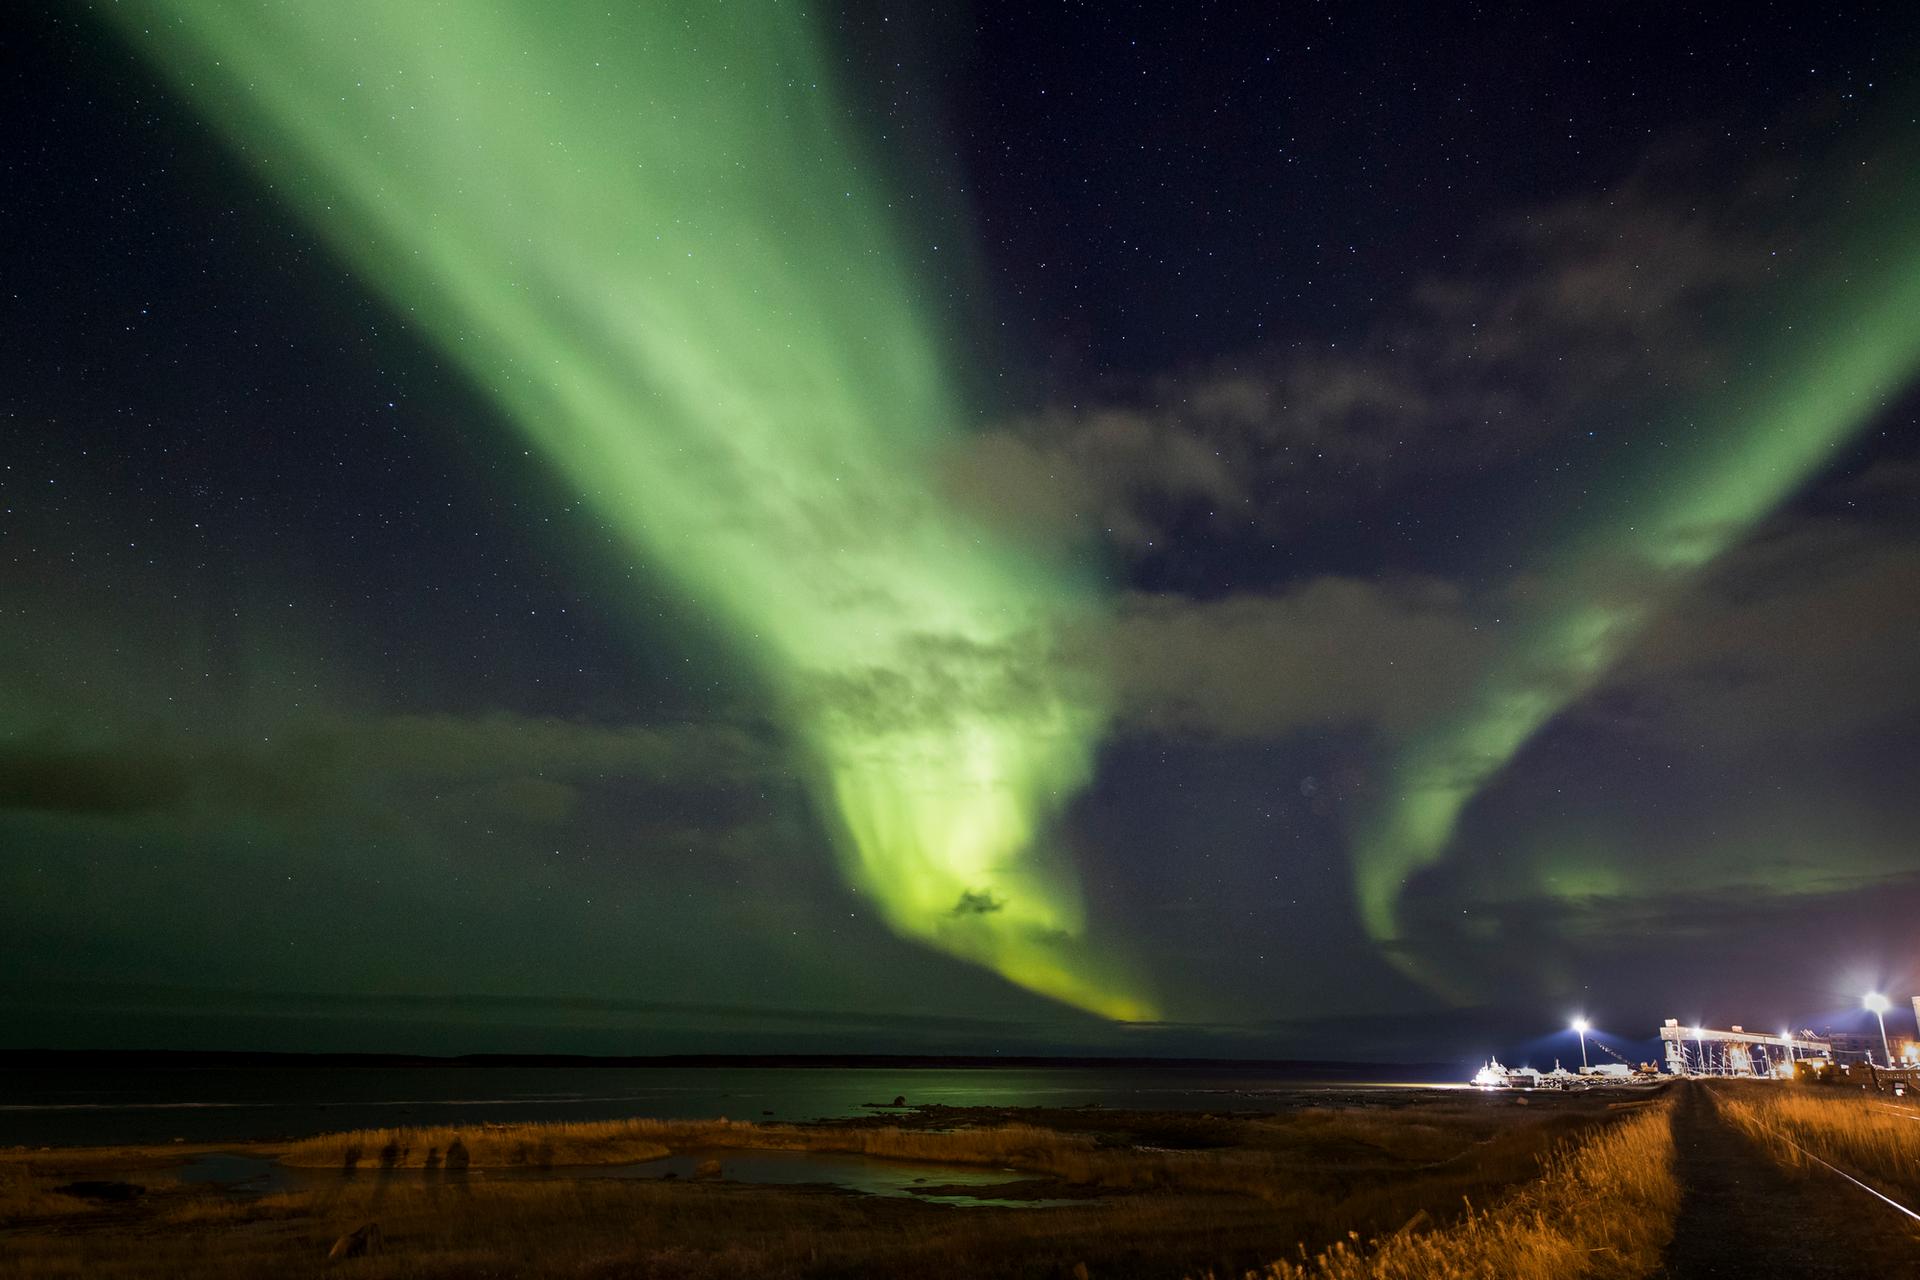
(1874, 1137)
(632, 1141)
(1270, 1163)
(1260, 1186)
(25, 1194)
(485, 1146)
(1603, 1208)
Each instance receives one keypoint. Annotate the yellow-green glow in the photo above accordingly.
(642, 231)
(1816, 370)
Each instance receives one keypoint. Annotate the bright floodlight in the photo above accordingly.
(1878, 1003)
(1581, 1025)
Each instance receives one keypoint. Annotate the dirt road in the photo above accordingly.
(1742, 1215)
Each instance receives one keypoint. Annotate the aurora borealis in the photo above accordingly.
(763, 527)
(725, 355)
(1818, 369)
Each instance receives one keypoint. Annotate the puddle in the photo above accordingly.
(247, 1175)
(253, 1175)
(846, 1170)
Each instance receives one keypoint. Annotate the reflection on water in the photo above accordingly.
(847, 1170)
(255, 1175)
(236, 1173)
(230, 1104)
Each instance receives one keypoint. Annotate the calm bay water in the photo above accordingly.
(224, 1104)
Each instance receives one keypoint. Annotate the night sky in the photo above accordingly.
(1261, 530)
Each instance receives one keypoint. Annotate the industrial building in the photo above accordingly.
(1735, 1051)
(1697, 1050)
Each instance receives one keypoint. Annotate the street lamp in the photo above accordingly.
(1878, 1003)
(1580, 1025)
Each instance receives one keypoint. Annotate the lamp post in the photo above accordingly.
(1878, 1003)
(1580, 1025)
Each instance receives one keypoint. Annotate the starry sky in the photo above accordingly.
(1247, 531)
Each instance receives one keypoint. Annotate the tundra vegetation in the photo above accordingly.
(1870, 1135)
(1602, 1207)
(1347, 1188)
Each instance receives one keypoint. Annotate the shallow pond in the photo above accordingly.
(256, 1175)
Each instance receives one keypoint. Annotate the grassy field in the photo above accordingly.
(1873, 1136)
(1602, 1208)
(630, 1141)
(1161, 1195)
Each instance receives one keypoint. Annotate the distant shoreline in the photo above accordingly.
(29, 1059)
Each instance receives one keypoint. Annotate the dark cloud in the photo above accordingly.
(529, 767)
(1806, 633)
(89, 782)
(1563, 316)
(1331, 652)
(935, 682)
(1664, 952)
(983, 903)
(1113, 475)
(505, 744)
(1742, 772)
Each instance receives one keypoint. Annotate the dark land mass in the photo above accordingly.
(138, 1059)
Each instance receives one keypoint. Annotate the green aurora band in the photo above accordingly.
(644, 234)
(1814, 370)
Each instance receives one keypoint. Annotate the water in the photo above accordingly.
(90, 1107)
(962, 1185)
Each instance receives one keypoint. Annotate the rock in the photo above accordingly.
(1419, 1219)
(899, 1099)
(362, 1242)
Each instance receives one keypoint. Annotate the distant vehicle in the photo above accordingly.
(1559, 1077)
(1816, 1071)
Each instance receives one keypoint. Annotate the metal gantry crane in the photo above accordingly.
(1737, 1050)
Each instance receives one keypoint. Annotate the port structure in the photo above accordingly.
(1709, 1051)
